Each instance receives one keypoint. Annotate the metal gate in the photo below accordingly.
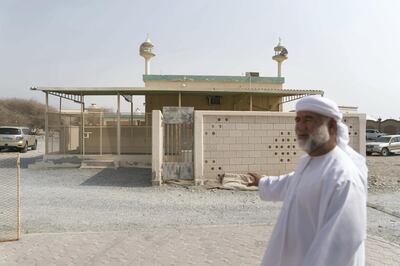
(9, 196)
(178, 143)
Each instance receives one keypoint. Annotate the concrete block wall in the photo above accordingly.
(263, 142)
(157, 147)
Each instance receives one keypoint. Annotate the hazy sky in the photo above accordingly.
(348, 48)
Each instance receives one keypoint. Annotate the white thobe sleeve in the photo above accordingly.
(342, 229)
(273, 188)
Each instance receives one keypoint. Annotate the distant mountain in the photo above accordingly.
(20, 112)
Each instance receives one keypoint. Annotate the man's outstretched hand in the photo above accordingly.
(256, 178)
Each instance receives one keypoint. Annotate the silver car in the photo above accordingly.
(384, 145)
(373, 134)
(18, 138)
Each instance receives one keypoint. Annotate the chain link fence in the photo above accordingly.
(97, 134)
(9, 196)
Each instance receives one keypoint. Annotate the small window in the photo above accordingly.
(214, 100)
(26, 131)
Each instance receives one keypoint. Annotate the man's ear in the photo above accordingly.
(332, 126)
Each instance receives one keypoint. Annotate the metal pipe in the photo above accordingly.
(83, 124)
(131, 112)
(101, 133)
(118, 124)
(46, 126)
(18, 196)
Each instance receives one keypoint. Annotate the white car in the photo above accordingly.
(384, 145)
(19, 138)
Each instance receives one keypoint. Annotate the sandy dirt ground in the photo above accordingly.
(384, 174)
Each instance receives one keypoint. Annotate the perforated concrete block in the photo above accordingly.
(235, 160)
(273, 133)
(276, 120)
(209, 119)
(242, 168)
(209, 147)
(248, 133)
(280, 126)
(242, 126)
(289, 126)
(222, 133)
(229, 140)
(267, 140)
(251, 146)
(260, 160)
(249, 119)
(227, 126)
(242, 153)
(260, 133)
(255, 140)
(235, 147)
(222, 147)
(235, 133)
(212, 140)
(254, 167)
(236, 119)
(247, 161)
(267, 126)
(223, 161)
(218, 154)
(242, 140)
(263, 120)
(255, 126)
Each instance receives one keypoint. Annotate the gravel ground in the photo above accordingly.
(384, 173)
(82, 200)
(96, 200)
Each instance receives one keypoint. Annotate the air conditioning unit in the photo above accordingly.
(214, 100)
(252, 74)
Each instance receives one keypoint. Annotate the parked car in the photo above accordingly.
(17, 138)
(384, 145)
(373, 134)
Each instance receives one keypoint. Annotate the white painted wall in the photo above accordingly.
(157, 147)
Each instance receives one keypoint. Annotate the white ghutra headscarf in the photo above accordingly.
(329, 108)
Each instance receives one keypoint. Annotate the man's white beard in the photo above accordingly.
(315, 140)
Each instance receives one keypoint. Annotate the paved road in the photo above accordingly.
(194, 245)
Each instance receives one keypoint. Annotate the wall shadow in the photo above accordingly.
(9, 156)
(121, 177)
(25, 162)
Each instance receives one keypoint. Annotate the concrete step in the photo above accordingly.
(99, 163)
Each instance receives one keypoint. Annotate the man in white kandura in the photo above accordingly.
(323, 217)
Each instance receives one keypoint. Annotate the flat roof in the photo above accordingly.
(207, 78)
(82, 91)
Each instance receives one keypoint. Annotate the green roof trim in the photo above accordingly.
(244, 79)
